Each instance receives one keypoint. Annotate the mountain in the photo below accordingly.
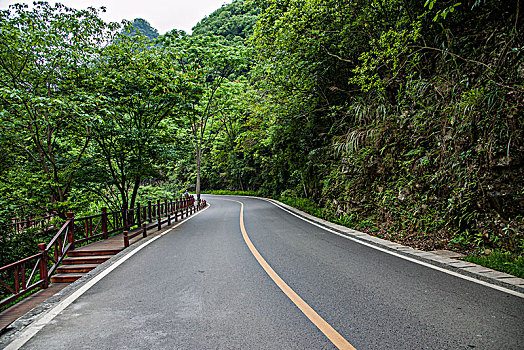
(141, 26)
(234, 21)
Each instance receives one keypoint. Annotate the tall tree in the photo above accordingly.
(46, 56)
(207, 63)
(141, 89)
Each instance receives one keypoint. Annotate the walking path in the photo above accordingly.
(8, 316)
(16, 311)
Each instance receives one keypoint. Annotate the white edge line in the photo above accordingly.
(431, 266)
(47, 317)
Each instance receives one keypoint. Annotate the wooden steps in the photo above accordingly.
(81, 268)
(93, 252)
(79, 262)
(88, 259)
(65, 277)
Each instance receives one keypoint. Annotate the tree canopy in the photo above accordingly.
(235, 21)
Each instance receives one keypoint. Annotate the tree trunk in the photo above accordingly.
(198, 159)
(135, 192)
(123, 194)
(241, 184)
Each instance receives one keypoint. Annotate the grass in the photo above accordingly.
(304, 204)
(232, 193)
(500, 261)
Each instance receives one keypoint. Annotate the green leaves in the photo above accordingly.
(442, 12)
(430, 3)
(142, 95)
(386, 59)
(45, 56)
(208, 65)
(234, 22)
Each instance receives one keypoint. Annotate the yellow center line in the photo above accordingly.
(313, 316)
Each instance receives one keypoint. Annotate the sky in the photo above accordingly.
(163, 15)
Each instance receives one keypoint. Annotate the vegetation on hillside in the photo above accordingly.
(402, 118)
(403, 115)
(235, 21)
(140, 26)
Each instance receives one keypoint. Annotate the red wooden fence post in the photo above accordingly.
(159, 214)
(168, 212)
(43, 265)
(144, 230)
(104, 222)
(126, 240)
(71, 230)
(138, 216)
(124, 217)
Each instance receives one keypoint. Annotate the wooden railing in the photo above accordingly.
(139, 220)
(17, 280)
(57, 248)
(43, 224)
(23, 280)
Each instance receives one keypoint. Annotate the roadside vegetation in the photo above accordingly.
(400, 118)
(505, 262)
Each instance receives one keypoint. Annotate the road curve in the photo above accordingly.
(200, 287)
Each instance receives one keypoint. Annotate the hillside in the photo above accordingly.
(234, 21)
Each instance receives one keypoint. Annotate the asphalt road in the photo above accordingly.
(200, 287)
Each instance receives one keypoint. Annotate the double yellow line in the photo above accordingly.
(311, 314)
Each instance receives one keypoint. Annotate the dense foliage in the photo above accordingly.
(400, 117)
(88, 117)
(45, 110)
(403, 118)
(235, 21)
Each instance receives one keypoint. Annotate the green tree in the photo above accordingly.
(46, 113)
(141, 91)
(225, 166)
(234, 21)
(412, 104)
(207, 64)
